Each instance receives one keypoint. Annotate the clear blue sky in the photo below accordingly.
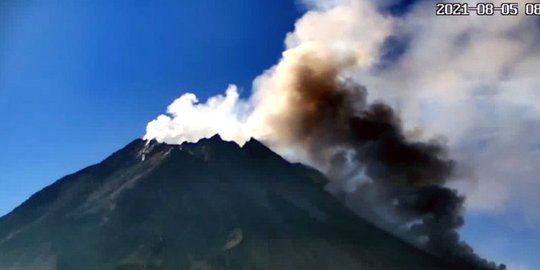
(80, 79)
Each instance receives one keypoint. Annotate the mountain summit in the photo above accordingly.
(197, 206)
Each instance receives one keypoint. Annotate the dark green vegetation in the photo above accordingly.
(209, 205)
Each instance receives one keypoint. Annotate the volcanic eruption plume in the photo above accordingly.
(310, 107)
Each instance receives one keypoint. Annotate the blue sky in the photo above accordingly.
(515, 245)
(80, 79)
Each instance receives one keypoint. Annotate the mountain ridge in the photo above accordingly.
(205, 205)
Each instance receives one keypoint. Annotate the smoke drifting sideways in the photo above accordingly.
(310, 108)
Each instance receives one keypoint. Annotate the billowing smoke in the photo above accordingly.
(189, 121)
(314, 107)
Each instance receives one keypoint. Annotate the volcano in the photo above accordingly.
(198, 206)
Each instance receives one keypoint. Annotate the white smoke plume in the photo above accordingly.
(472, 79)
(339, 38)
(188, 121)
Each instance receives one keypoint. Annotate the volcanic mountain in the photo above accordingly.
(197, 206)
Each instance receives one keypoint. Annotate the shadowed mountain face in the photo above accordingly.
(209, 205)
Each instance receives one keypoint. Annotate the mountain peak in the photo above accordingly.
(215, 138)
(257, 149)
(181, 207)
